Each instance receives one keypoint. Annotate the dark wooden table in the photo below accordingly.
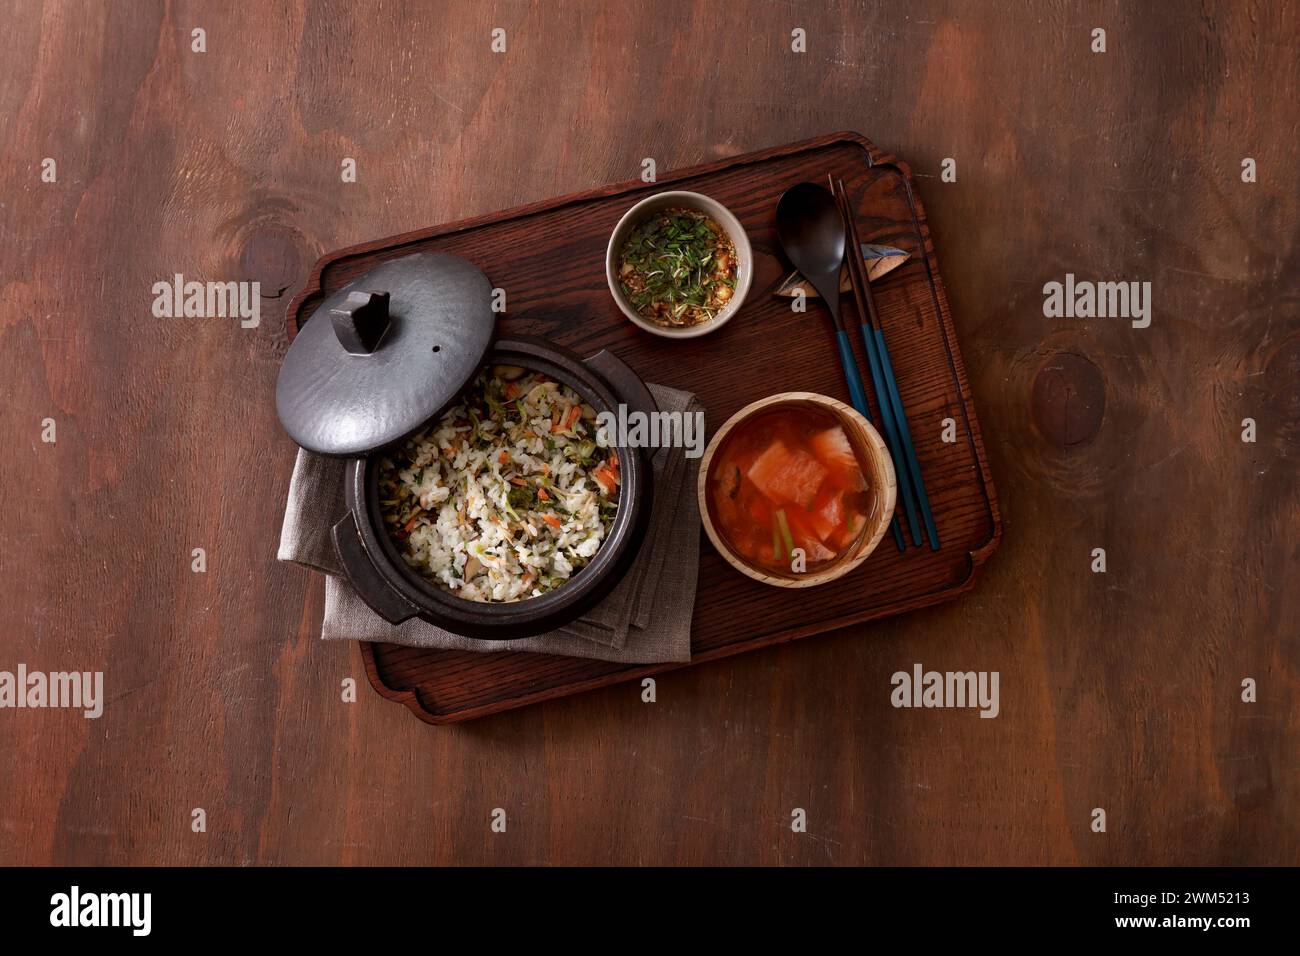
(1119, 691)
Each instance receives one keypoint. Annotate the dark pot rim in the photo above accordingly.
(395, 590)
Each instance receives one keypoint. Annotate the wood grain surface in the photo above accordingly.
(1119, 690)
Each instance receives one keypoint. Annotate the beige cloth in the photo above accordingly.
(645, 619)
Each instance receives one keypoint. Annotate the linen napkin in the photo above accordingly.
(646, 618)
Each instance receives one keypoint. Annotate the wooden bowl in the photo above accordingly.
(879, 470)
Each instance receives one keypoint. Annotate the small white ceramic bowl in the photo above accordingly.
(719, 214)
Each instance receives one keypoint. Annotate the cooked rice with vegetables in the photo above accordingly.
(508, 495)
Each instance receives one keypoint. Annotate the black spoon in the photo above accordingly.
(811, 231)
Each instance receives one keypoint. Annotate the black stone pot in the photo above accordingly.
(397, 593)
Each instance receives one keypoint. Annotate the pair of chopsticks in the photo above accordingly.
(911, 485)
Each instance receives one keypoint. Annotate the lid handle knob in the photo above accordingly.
(361, 321)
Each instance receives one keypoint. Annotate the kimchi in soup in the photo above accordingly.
(789, 478)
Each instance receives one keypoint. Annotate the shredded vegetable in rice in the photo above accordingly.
(508, 495)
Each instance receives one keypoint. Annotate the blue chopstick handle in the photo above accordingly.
(889, 414)
(905, 433)
(857, 395)
(858, 399)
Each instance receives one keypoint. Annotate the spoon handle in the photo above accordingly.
(857, 394)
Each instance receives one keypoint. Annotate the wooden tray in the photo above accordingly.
(550, 258)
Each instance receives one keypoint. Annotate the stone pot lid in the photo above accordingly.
(384, 354)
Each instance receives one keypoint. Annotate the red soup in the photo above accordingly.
(789, 478)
